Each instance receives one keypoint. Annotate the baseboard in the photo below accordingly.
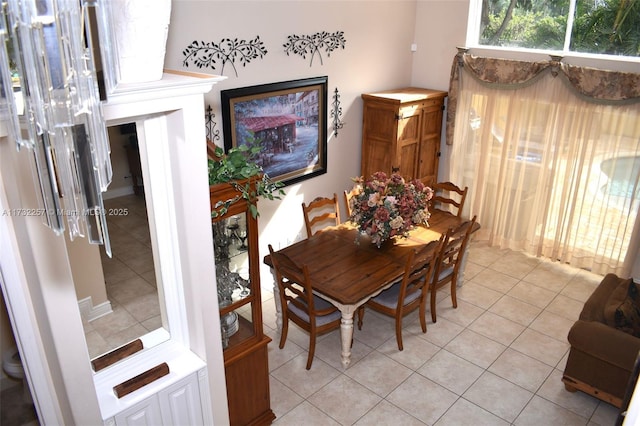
(90, 312)
(118, 192)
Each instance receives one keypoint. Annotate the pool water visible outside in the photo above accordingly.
(624, 177)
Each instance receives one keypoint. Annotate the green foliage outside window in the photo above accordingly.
(600, 26)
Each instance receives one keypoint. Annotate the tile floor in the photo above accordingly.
(129, 277)
(495, 360)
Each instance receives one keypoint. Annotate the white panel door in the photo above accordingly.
(180, 403)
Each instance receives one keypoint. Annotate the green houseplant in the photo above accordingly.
(239, 168)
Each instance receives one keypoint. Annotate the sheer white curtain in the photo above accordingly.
(549, 172)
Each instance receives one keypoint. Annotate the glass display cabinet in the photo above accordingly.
(235, 240)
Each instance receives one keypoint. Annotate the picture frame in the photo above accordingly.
(288, 118)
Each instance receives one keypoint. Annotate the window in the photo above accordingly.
(609, 27)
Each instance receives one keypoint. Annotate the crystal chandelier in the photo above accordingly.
(50, 99)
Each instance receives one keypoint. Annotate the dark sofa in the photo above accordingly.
(603, 346)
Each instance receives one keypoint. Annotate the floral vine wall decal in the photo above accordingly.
(204, 55)
(304, 45)
(336, 113)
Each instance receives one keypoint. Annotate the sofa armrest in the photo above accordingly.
(606, 343)
(593, 309)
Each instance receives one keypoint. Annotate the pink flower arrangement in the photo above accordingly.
(389, 206)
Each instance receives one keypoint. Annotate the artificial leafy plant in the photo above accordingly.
(239, 164)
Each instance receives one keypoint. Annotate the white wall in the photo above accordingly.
(377, 56)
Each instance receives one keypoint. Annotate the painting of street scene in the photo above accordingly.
(288, 124)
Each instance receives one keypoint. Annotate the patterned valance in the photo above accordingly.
(591, 84)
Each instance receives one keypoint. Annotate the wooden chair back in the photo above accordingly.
(298, 303)
(348, 195)
(449, 261)
(448, 196)
(321, 212)
(410, 293)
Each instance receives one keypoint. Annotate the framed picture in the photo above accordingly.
(289, 120)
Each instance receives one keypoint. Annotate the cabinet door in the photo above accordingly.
(145, 413)
(180, 403)
(429, 154)
(379, 133)
(408, 138)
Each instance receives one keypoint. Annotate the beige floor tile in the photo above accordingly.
(125, 336)
(515, 264)
(305, 414)
(345, 400)
(451, 371)
(128, 289)
(442, 332)
(478, 295)
(484, 255)
(605, 414)
(416, 350)
(515, 310)
(475, 348)
(497, 328)
(114, 322)
(532, 294)
(143, 307)
(464, 314)
(378, 373)
(464, 413)
(140, 262)
(375, 329)
(524, 371)
(578, 402)
(279, 357)
(152, 323)
(387, 414)
(329, 350)
(471, 270)
(565, 307)
(540, 411)
(425, 400)
(96, 344)
(282, 399)
(541, 347)
(304, 382)
(579, 289)
(551, 275)
(494, 280)
(498, 396)
(552, 325)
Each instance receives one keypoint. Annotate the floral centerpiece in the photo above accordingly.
(389, 206)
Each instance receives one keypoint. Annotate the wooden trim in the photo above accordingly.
(142, 379)
(574, 384)
(116, 355)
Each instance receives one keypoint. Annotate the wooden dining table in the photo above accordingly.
(346, 269)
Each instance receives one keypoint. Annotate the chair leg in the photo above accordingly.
(433, 304)
(454, 299)
(422, 312)
(312, 350)
(399, 333)
(283, 332)
(360, 316)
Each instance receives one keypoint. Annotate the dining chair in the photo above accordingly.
(408, 294)
(449, 260)
(442, 197)
(348, 195)
(311, 313)
(321, 212)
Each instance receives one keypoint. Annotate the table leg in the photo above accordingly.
(346, 335)
(276, 300)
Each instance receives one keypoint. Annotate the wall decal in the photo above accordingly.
(336, 113)
(311, 44)
(204, 55)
